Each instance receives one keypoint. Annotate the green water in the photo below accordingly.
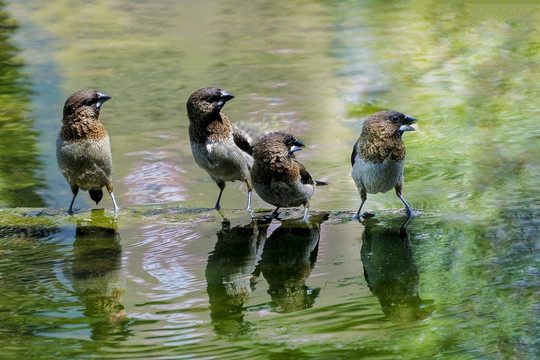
(170, 279)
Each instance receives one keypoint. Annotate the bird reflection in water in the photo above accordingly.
(97, 277)
(391, 273)
(289, 255)
(230, 274)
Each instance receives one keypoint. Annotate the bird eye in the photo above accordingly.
(289, 141)
(395, 118)
(89, 102)
(213, 98)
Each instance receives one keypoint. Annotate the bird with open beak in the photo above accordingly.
(378, 156)
(278, 178)
(83, 149)
(218, 146)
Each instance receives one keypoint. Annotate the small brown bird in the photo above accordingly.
(277, 177)
(218, 146)
(83, 150)
(379, 155)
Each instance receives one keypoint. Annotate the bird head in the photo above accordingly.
(84, 104)
(277, 144)
(388, 123)
(207, 103)
(294, 144)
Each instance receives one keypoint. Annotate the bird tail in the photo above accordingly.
(321, 183)
(96, 195)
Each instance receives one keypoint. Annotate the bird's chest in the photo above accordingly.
(213, 153)
(284, 194)
(222, 159)
(377, 177)
(86, 163)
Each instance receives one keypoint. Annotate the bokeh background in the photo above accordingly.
(467, 70)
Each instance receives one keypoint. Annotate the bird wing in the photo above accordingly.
(354, 152)
(241, 141)
(305, 177)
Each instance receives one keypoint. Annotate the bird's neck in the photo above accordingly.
(275, 167)
(217, 128)
(82, 129)
(378, 147)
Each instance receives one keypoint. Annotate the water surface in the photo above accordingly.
(183, 281)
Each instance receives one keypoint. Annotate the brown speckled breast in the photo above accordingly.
(82, 130)
(377, 149)
(278, 168)
(216, 130)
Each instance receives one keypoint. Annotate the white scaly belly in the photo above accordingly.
(377, 177)
(222, 159)
(281, 194)
(87, 164)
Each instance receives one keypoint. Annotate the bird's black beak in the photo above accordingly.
(407, 122)
(102, 98)
(297, 145)
(224, 97)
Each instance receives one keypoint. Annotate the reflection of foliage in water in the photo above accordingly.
(19, 182)
(469, 73)
(466, 72)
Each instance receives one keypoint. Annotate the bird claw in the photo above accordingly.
(364, 215)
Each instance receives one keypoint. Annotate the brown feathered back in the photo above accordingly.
(272, 159)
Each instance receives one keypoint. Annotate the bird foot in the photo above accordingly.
(364, 215)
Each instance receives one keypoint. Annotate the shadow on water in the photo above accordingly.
(97, 276)
(391, 272)
(20, 182)
(289, 255)
(243, 252)
(29, 256)
(229, 274)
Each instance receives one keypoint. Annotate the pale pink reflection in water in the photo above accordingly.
(155, 183)
(165, 273)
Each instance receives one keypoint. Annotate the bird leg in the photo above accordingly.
(306, 208)
(74, 191)
(410, 213)
(275, 214)
(250, 191)
(110, 190)
(221, 185)
(363, 196)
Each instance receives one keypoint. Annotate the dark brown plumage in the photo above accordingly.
(83, 149)
(218, 146)
(277, 177)
(378, 156)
